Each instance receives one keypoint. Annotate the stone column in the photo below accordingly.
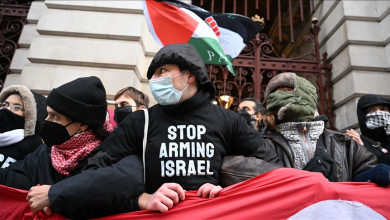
(107, 39)
(356, 36)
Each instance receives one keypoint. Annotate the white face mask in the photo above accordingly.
(163, 91)
(378, 119)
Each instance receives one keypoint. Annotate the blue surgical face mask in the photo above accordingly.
(164, 92)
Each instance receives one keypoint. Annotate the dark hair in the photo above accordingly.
(258, 106)
(100, 131)
(139, 97)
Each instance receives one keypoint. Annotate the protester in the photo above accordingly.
(76, 125)
(22, 113)
(187, 137)
(374, 121)
(251, 110)
(129, 100)
(300, 141)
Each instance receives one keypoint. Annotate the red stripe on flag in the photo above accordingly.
(171, 24)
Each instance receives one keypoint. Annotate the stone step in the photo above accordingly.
(101, 25)
(88, 52)
(44, 77)
(19, 60)
(132, 7)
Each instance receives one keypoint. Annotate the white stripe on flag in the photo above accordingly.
(231, 42)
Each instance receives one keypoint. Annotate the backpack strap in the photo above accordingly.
(145, 139)
(375, 144)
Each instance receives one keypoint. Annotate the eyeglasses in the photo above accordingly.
(13, 108)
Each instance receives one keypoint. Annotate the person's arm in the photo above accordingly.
(19, 174)
(362, 160)
(115, 184)
(379, 175)
(248, 142)
(127, 137)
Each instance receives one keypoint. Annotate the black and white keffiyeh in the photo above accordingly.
(292, 132)
(379, 119)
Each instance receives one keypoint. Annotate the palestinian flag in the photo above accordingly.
(218, 37)
(284, 193)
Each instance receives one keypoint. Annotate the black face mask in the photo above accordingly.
(53, 133)
(120, 113)
(10, 121)
(248, 118)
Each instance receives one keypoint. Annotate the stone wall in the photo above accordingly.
(356, 36)
(64, 40)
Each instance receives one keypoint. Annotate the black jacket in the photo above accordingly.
(378, 134)
(351, 158)
(115, 198)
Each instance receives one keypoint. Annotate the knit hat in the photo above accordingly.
(83, 100)
(296, 106)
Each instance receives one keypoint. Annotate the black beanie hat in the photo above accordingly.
(82, 100)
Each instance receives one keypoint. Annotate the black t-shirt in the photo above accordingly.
(186, 142)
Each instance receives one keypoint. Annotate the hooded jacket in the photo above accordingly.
(35, 113)
(377, 134)
(186, 141)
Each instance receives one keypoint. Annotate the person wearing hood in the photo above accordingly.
(251, 110)
(76, 125)
(22, 113)
(129, 100)
(374, 122)
(301, 141)
(187, 136)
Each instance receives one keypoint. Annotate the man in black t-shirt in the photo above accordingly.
(187, 136)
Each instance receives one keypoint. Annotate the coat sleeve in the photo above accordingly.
(86, 212)
(127, 137)
(114, 185)
(363, 160)
(19, 174)
(248, 142)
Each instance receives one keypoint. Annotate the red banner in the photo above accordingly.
(279, 194)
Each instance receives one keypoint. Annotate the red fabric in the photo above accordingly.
(278, 194)
(14, 206)
(66, 156)
(171, 24)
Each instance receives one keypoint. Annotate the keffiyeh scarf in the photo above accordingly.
(67, 155)
(291, 132)
(379, 119)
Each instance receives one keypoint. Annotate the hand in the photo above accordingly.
(47, 210)
(352, 133)
(163, 199)
(208, 190)
(38, 198)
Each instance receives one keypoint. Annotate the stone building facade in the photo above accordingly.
(64, 40)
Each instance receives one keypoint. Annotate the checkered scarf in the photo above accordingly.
(67, 155)
(379, 119)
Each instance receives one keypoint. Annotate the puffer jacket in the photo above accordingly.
(351, 158)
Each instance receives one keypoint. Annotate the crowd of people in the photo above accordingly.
(82, 160)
